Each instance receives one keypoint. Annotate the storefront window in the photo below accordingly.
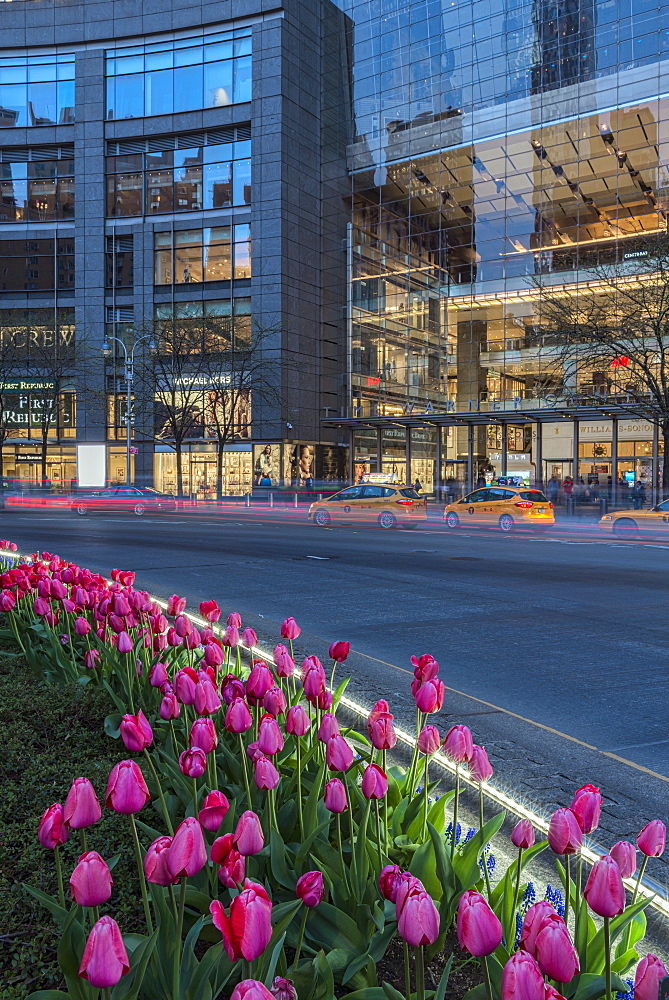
(199, 472)
(36, 90)
(181, 75)
(218, 253)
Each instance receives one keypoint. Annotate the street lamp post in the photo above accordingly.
(129, 362)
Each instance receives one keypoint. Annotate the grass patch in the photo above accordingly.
(51, 735)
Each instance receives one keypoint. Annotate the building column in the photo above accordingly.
(614, 460)
(656, 464)
(470, 458)
(351, 456)
(379, 449)
(408, 479)
(505, 448)
(574, 453)
(538, 456)
(437, 459)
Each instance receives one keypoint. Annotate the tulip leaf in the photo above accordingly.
(616, 927)
(625, 960)
(282, 916)
(48, 995)
(591, 987)
(391, 992)
(129, 986)
(308, 841)
(354, 966)
(369, 993)
(278, 862)
(58, 912)
(440, 992)
(335, 929)
(112, 725)
(216, 961)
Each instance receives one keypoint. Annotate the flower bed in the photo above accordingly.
(288, 855)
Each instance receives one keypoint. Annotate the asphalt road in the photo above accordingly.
(554, 649)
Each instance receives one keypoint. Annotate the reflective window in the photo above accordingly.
(37, 190)
(36, 90)
(189, 256)
(180, 180)
(36, 265)
(180, 75)
(204, 326)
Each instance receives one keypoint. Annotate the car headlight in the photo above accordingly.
(607, 517)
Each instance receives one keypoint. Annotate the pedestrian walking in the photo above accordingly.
(553, 489)
(568, 487)
(480, 482)
(418, 486)
(639, 495)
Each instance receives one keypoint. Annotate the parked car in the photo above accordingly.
(133, 499)
(390, 506)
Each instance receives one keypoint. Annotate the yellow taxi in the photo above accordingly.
(630, 523)
(391, 505)
(503, 507)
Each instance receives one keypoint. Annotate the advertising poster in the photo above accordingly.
(266, 465)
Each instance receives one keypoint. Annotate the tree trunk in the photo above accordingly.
(664, 489)
(180, 475)
(219, 469)
(45, 442)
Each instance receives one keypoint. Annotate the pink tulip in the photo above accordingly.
(624, 855)
(587, 806)
(253, 752)
(158, 675)
(238, 718)
(532, 924)
(52, 830)
(233, 864)
(91, 882)
(126, 789)
(169, 707)
(310, 889)
(458, 744)
(247, 931)
(324, 700)
(381, 730)
(175, 605)
(249, 638)
(214, 810)
(155, 862)
(203, 735)
(339, 651)
(430, 696)
(124, 643)
(652, 839)
(184, 685)
(206, 697)
(232, 687)
(388, 880)
(91, 659)
(417, 917)
(81, 626)
(193, 762)
(550, 993)
(41, 607)
(81, 807)
(425, 667)
(270, 738)
(555, 951)
(650, 971)
(252, 989)
(136, 732)
(429, 740)
(259, 682)
(158, 624)
(328, 727)
(283, 661)
(265, 774)
(248, 837)
(564, 833)
(210, 611)
(522, 978)
(297, 721)
(604, 891)
(374, 782)
(274, 702)
(338, 754)
(213, 655)
(234, 620)
(479, 930)
(290, 629)
(282, 989)
(187, 854)
(479, 766)
(230, 637)
(314, 682)
(523, 835)
(105, 960)
(334, 796)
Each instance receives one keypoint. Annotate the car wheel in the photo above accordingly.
(387, 519)
(452, 520)
(322, 518)
(139, 509)
(625, 527)
(82, 509)
(506, 522)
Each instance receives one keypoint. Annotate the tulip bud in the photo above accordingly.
(81, 807)
(136, 732)
(650, 971)
(297, 721)
(532, 924)
(230, 637)
(203, 735)
(214, 810)
(523, 835)
(248, 930)
(91, 882)
(339, 651)
(417, 916)
(604, 891)
(624, 855)
(248, 837)
(259, 682)
(586, 806)
(175, 605)
(52, 831)
(274, 702)
(158, 675)
(430, 696)
(265, 774)
(126, 789)
(374, 782)
(213, 655)
(91, 658)
(522, 978)
(324, 700)
(652, 839)
(479, 765)
(210, 611)
(310, 888)
(564, 833)
(169, 707)
(187, 854)
(270, 738)
(429, 740)
(249, 638)
(105, 960)
(458, 744)
(234, 620)
(81, 626)
(381, 731)
(193, 762)
(328, 727)
(225, 854)
(155, 862)
(124, 643)
(479, 930)
(338, 754)
(252, 989)
(334, 796)
(283, 989)
(290, 629)
(283, 661)
(238, 718)
(388, 881)
(206, 697)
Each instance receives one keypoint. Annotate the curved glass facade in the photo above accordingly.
(36, 90)
(34, 189)
(162, 78)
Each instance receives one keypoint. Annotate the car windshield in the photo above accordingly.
(149, 489)
(536, 496)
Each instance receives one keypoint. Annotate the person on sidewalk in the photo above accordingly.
(568, 488)
(553, 488)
